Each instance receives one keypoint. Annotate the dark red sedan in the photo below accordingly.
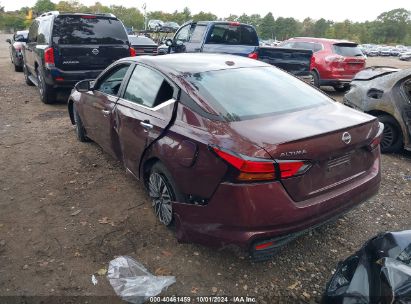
(233, 151)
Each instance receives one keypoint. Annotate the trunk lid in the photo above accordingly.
(316, 135)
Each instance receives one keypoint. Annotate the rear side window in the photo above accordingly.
(246, 93)
(88, 30)
(44, 31)
(315, 47)
(147, 88)
(232, 34)
(347, 49)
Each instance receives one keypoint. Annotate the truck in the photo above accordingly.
(238, 39)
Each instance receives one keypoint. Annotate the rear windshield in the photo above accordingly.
(88, 30)
(141, 40)
(232, 34)
(245, 93)
(347, 50)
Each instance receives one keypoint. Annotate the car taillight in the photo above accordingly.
(377, 139)
(312, 63)
(259, 169)
(88, 17)
(132, 52)
(289, 168)
(49, 57)
(334, 58)
(234, 23)
(253, 55)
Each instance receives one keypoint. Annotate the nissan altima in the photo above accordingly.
(232, 151)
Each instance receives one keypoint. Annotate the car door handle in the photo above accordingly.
(146, 125)
(105, 112)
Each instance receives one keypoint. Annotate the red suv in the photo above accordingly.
(334, 62)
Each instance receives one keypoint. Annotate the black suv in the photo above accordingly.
(65, 48)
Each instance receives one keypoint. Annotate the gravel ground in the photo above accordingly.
(67, 209)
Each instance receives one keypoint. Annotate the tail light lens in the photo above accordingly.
(258, 169)
(132, 52)
(49, 57)
(234, 23)
(334, 58)
(312, 63)
(253, 55)
(377, 139)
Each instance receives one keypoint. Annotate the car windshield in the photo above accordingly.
(141, 40)
(232, 34)
(88, 29)
(246, 93)
(347, 50)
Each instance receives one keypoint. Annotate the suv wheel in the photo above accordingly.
(316, 79)
(341, 88)
(47, 94)
(26, 76)
(392, 135)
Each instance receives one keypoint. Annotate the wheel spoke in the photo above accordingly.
(161, 198)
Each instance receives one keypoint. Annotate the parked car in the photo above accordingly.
(395, 52)
(384, 51)
(15, 48)
(143, 45)
(64, 48)
(155, 25)
(385, 93)
(373, 52)
(170, 26)
(405, 56)
(335, 62)
(238, 39)
(221, 158)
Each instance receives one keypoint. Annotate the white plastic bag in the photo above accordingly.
(132, 281)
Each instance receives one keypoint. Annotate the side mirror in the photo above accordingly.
(8, 40)
(179, 43)
(169, 42)
(83, 86)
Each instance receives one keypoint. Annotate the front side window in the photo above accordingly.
(44, 31)
(111, 82)
(183, 34)
(246, 93)
(147, 88)
(198, 33)
(32, 37)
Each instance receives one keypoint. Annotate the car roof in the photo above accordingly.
(188, 63)
(321, 40)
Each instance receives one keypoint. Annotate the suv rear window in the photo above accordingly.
(88, 30)
(347, 49)
(255, 92)
(232, 34)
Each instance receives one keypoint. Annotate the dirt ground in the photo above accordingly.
(67, 209)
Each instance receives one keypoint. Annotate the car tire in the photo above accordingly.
(342, 88)
(26, 76)
(392, 140)
(316, 79)
(162, 191)
(80, 130)
(17, 68)
(47, 94)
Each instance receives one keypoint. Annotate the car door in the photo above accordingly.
(31, 45)
(98, 104)
(143, 113)
(181, 38)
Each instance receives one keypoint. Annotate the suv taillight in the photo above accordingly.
(132, 52)
(258, 169)
(49, 57)
(253, 55)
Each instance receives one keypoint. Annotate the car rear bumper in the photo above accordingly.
(336, 81)
(67, 79)
(239, 216)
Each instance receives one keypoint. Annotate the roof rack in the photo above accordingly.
(76, 13)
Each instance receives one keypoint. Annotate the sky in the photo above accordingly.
(354, 10)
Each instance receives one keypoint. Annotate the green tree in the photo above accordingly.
(286, 28)
(267, 27)
(394, 25)
(202, 16)
(131, 17)
(321, 26)
(43, 6)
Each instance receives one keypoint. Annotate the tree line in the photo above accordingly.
(392, 27)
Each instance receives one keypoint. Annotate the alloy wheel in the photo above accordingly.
(388, 136)
(161, 196)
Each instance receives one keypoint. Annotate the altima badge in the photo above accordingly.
(346, 137)
(95, 51)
